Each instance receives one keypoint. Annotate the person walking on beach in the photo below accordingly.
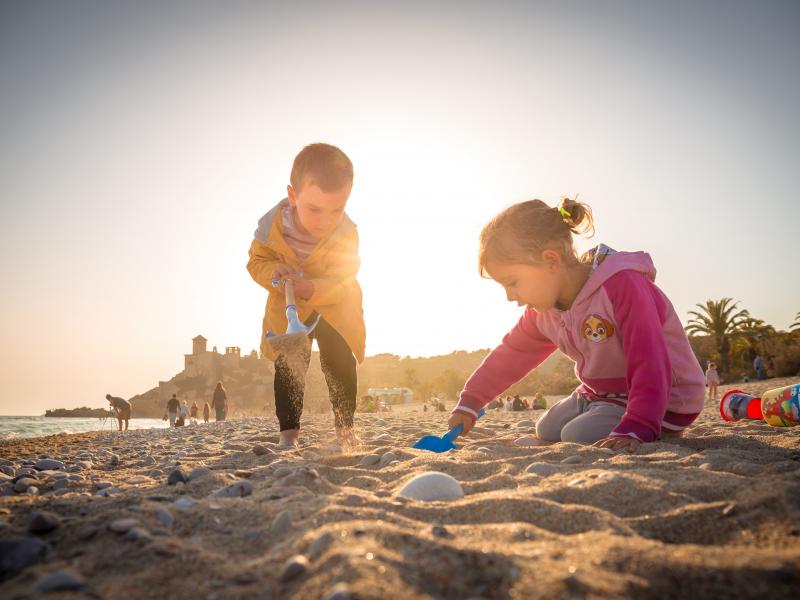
(121, 408)
(183, 413)
(206, 412)
(172, 409)
(193, 412)
(761, 370)
(712, 380)
(638, 374)
(309, 239)
(219, 402)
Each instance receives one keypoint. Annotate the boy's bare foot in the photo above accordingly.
(347, 438)
(290, 438)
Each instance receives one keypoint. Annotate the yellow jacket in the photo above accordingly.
(332, 267)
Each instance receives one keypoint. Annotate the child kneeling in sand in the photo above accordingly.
(638, 374)
(308, 238)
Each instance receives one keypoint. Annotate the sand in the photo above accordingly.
(713, 514)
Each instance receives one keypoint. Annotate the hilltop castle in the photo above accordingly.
(211, 365)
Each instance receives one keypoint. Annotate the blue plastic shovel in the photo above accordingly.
(294, 340)
(437, 444)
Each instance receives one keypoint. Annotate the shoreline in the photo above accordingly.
(708, 515)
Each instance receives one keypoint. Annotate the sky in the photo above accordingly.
(142, 141)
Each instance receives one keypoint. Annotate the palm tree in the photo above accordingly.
(720, 319)
(796, 325)
(750, 339)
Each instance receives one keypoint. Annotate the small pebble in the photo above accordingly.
(572, 460)
(282, 523)
(43, 522)
(370, 460)
(528, 440)
(17, 554)
(319, 545)
(165, 517)
(260, 450)
(541, 468)
(122, 525)
(48, 464)
(431, 486)
(23, 484)
(198, 472)
(136, 534)
(60, 581)
(176, 476)
(294, 567)
(339, 592)
(387, 458)
(235, 490)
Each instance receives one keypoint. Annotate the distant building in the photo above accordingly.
(212, 364)
(392, 395)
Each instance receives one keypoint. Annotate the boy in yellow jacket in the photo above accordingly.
(308, 238)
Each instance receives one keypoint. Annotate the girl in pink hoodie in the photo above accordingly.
(638, 375)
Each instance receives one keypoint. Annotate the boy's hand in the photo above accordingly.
(459, 418)
(281, 272)
(627, 443)
(303, 288)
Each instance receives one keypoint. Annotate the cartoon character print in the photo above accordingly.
(597, 329)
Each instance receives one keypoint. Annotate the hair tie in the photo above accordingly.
(564, 212)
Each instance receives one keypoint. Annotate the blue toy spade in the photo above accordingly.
(294, 340)
(437, 444)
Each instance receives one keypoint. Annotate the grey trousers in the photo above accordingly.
(575, 419)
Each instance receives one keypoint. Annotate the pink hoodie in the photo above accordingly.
(627, 342)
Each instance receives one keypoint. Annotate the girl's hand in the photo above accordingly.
(303, 288)
(458, 418)
(627, 443)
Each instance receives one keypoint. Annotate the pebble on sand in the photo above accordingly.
(49, 464)
(122, 525)
(23, 484)
(198, 472)
(177, 476)
(370, 460)
(17, 554)
(235, 490)
(60, 581)
(541, 468)
(43, 522)
(294, 567)
(431, 486)
(282, 523)
(528, 440)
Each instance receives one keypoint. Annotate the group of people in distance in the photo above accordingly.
(176, 411)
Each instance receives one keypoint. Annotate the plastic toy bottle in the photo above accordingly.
(779, 407)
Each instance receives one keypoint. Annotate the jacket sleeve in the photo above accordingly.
(523, 349)
(640, 311)
(262, 263)
(340, 274)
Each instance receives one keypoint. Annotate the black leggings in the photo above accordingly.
(339, 367)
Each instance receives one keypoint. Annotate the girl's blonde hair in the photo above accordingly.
(521, 232)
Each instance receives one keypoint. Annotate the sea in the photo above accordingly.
(26, 427)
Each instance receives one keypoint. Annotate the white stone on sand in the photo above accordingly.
(431, 486)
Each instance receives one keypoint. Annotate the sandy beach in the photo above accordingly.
(713, 514)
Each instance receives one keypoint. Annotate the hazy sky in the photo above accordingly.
(142, 141)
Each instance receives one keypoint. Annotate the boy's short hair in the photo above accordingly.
(323, 165)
